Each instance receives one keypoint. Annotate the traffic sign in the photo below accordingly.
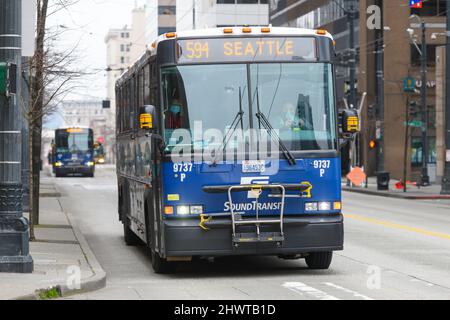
(357, 176)
(414, 124)
(408, 84)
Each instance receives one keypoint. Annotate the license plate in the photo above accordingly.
(254, 166)
(74, 157)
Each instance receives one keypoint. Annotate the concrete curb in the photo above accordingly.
(95, 282)
(396, 195)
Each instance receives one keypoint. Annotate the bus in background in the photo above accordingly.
(194, 116)
(99, 153)
(74, 152)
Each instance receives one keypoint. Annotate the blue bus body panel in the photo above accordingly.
(183, 185)
(79, 158)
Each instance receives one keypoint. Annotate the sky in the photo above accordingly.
(85, 26)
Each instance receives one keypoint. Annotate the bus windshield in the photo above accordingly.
(73, 142)
(297, 99)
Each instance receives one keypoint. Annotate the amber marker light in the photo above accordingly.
(247, 30)
(228, 30)
(168, 210)
(265, 30)
(337, 205)
(171, 35)
(321, 32)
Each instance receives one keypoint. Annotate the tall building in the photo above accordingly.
(123, 47)
(160, 18)
(197, 14)
(384, 33)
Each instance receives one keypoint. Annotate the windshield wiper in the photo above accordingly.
(238, 119)
(266, 124)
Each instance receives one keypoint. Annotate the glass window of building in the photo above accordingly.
(167, 10)
(431, 8)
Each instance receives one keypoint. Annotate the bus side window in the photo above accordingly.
(140, 167)
(147, 85)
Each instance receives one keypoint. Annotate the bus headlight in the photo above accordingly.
(58, 164)
(324, 206)
(196, 210)
(186, 210)
(90, 164)
(311, 206)
(183, 210)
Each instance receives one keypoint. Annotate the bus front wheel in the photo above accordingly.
(319, 260)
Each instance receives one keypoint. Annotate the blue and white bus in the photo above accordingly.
(73, 152)
(228, 144)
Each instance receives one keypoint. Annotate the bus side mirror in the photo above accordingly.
(147, 117)
(349, 122)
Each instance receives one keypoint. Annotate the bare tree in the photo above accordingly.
(51, 76)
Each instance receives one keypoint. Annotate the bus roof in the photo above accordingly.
(238, 31)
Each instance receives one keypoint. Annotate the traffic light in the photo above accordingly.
(371, 111)
(414, 109)
(106, 104)
(372, 144)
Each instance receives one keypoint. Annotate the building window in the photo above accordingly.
(167, 10)
(416, 152)
(416, 58)
(163, 30)
(431, 8)
(125, 35)
(122, 60)
(122, 48)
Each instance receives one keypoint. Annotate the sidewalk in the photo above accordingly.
(413, 193)
(63, 262)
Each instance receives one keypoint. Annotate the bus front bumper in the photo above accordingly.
(75, 170)
(303, 234)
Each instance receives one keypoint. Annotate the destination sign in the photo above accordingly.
(247, 49)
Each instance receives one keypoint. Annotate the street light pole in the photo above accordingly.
(14, 238)
(446, 178)
(425, 179)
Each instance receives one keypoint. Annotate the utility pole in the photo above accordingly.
(14, 238)
(380, 99)
(351, 15)
(425, 179)
(194, 18)
(446, 178)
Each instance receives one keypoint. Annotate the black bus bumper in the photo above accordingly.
(303, 234)
(75, 170)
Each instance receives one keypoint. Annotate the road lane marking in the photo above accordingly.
(354, 293)
(398, 226)
(301, 288)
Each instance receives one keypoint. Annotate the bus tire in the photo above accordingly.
(161, 265)
(319, 260)
(130, 238)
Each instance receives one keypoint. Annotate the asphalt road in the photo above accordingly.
(394, 249)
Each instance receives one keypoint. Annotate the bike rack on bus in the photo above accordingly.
(257, 190)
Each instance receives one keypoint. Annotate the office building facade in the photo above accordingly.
(384, 44)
